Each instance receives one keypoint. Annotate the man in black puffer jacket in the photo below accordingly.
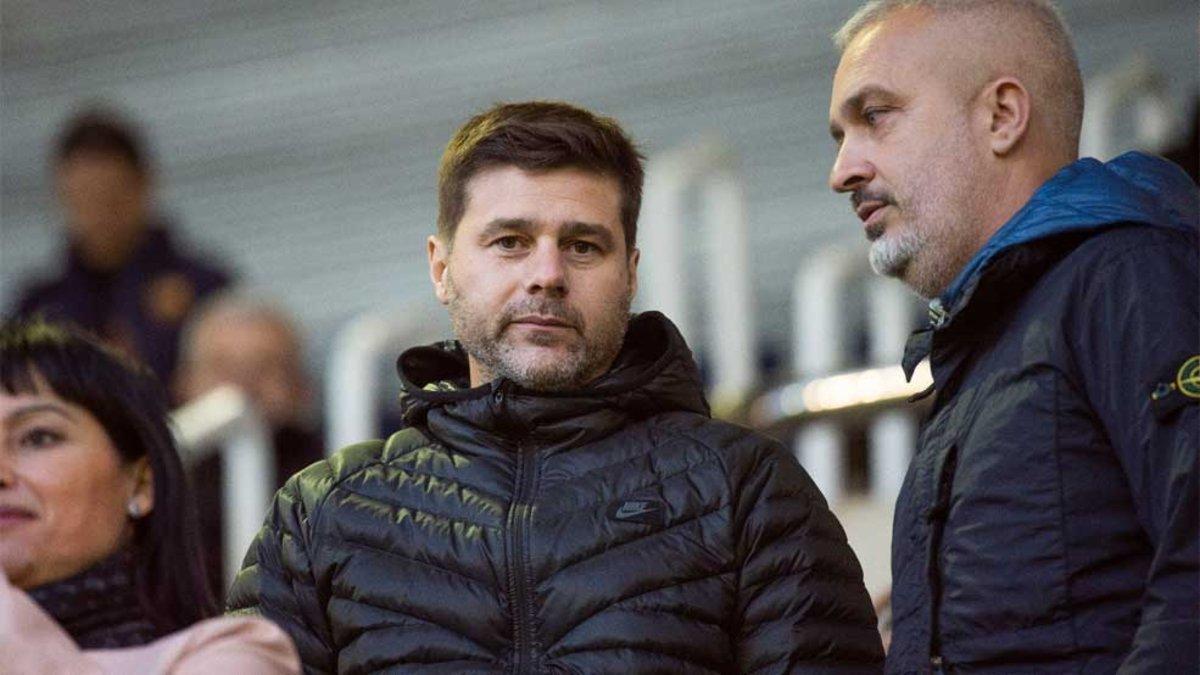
(1049, 521)
(559, 500)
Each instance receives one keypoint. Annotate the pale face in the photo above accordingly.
(907, 152)
(539, 280)
(105, 200)
(64, 491)
(259, 355)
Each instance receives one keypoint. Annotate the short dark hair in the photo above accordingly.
(101, 130)
(539, 136)
(128, 401)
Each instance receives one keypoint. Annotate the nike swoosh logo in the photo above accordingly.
(633, 509)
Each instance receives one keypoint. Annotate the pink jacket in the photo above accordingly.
(31, 643)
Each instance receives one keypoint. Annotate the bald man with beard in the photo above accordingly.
(1048, 522)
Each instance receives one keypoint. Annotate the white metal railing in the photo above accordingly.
(225, 422)
(710, 167)
(353, 383)
(1134, 86)
(821, 329)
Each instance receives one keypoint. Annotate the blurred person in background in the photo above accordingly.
(123, 276)
(98, 546)
(1049, 520)
(560, 499)
(239, 340)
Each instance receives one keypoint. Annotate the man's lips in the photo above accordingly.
(542, 321)
(868, 209)
(871, 213)
(14, 514)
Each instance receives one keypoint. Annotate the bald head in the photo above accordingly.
(984, 40)
(250, 343)
(948, 116)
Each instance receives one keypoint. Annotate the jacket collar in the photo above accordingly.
(99, 607)
(1083, 198)
(155, 247)
(653, 373)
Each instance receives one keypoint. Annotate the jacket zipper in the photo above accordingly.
(519, 515)
(936, 517)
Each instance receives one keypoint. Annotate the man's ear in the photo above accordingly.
(634, 257)
(1007, 105)
(439, 258)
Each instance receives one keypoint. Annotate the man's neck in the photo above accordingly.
(479, 374)
(1014, 190)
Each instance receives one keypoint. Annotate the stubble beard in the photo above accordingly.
(932, 248)
(484, 335)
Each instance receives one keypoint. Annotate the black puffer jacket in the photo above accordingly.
(616, 529)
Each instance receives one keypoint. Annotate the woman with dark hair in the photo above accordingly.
(96, 527)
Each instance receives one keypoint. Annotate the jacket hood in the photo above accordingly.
(654, 372)
(1134, 188)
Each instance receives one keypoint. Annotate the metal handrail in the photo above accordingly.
(709, 168)
(352, 382)
(225, 422)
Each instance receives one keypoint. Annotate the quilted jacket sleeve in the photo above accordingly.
(802, 606)
(276, 579)
(1137, 334)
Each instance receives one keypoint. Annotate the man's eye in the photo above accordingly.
(584, 247)
(40, 438)
(872, 115)
(510, 243)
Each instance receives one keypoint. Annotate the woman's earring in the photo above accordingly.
(134, 509)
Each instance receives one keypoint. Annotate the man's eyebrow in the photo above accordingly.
(580, 229)
(499, 225)
(855, 101)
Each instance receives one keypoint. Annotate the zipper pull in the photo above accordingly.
(937, 313)
(499, 389)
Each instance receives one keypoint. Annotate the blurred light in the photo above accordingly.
(840, 392)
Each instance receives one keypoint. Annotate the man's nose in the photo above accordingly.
(851, 170)
(547, 273)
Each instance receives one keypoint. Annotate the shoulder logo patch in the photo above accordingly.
(645, 511)
(1187, 380)
(1176, 390)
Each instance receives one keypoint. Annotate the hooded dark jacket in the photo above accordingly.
(614, 529)
(1048, 523)
(141, 306)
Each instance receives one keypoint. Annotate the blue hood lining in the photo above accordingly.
(1090, 195)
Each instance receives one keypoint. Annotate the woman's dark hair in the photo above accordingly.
(128, 401)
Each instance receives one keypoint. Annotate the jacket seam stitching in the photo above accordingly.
(1062, 514)
(629, 542)
(317, 512)
(653, 430)
(734, 626)
(372, 549)
(649, 650)
(402, 505)
(430, 622)
(610, 605)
